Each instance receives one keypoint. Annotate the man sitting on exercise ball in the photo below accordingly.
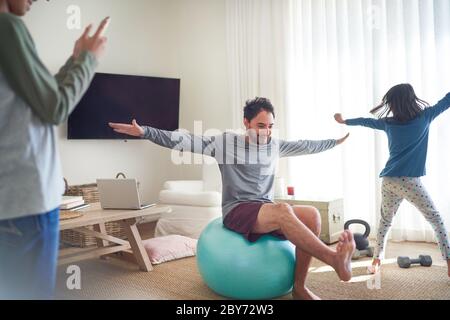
(247, 164)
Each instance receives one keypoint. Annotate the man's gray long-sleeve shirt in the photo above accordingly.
(247, 169)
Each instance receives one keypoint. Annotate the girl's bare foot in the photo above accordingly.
(304, 294)
(344, 252)
(375, 267)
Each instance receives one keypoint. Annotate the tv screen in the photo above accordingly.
(121, 98)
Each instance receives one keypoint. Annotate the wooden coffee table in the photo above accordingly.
(106, 244)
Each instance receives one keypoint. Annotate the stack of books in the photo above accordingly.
(69, 203)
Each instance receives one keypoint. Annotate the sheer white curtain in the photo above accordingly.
(257, 52)
(318, 57)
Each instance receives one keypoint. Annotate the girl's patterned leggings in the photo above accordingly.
(394, 190)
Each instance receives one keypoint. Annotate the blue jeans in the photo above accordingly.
(28, 256)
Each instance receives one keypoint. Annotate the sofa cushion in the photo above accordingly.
(198, 199)
(184, 185)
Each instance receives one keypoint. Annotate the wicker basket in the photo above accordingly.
(90, 194)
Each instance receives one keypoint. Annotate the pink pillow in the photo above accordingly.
(167, 248)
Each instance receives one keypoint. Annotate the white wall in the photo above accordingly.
(202, 58)
(168, 38)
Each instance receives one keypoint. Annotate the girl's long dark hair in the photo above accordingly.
(402, 102)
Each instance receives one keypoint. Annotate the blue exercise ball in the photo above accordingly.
(236, 268)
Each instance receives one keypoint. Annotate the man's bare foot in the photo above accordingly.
(344, 252)
(375, 267)
(304, 294)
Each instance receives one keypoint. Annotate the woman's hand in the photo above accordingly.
(132, 129)
(342, 140)
(95, 44)
(339, 119)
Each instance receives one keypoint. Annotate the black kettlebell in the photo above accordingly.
(361, 240)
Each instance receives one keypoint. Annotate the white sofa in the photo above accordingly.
(194, 204)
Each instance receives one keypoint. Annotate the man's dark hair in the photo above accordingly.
(254, 107)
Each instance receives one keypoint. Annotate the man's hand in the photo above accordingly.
(132, 129)
(339, 119)
(95, 44)
(342, 140)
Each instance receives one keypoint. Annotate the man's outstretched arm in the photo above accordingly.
(305, 147)
(176, 140)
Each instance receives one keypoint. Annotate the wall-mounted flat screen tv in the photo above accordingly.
(121, 98)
